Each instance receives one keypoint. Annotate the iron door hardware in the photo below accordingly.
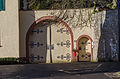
(37, 31)
(32, 44)
(67, 44)
(50, 47)
(62, 30)
(32, 57)
(62, 57)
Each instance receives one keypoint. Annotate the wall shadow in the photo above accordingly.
(33, 36)
(119, 26)
(38, 43)
(23, 32)
(108, 42)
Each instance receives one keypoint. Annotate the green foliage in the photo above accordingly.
(103, 3)
(68, 4)
(118, 73)
(12, 60)
(37, 4)
(94, 11)
(111, 6)
(75, 50)
(59, 4)
(9, 59)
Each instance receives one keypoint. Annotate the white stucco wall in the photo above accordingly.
(9, 29)
(78, 21)
(27, 18)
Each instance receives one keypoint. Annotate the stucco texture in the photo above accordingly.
(9, 29)
(82, 23)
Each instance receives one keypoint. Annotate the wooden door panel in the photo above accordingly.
(38, 44)
(40, 48)
(61, 42)
(84, 49)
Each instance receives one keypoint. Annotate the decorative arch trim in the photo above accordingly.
(85, 36)
(43, 19)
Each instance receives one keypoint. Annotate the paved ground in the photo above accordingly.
(81, 70)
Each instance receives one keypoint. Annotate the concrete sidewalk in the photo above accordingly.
(80, 70)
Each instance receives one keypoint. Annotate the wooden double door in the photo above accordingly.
(49, 43)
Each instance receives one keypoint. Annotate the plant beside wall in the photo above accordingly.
(75, 52)
(9, 60)
(12, 60)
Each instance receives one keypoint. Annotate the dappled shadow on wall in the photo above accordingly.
(108, 42)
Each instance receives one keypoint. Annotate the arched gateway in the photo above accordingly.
(49, 40)
(84, 45)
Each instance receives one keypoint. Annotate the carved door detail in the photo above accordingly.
(84, 49)
(48, 43)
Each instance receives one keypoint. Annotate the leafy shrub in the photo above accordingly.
(66, 4)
